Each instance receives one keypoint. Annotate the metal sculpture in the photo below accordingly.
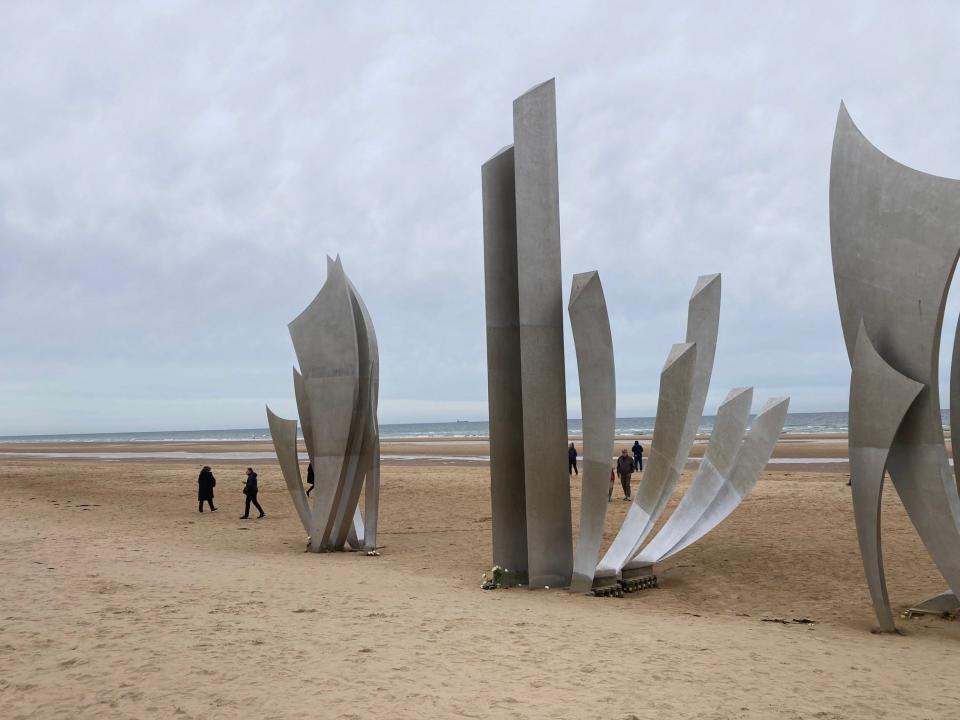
(719, 488)
(284, 435)
(676, 380)
(873, 426)
(529, 488)
(337, 394)
(729, 427)
(894, 241)
(507, 488)
(598, 406)
(543, 387)
(682, 406)
(528, 412)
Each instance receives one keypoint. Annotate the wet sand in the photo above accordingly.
(804, 448)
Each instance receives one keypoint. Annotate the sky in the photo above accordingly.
(173, 176)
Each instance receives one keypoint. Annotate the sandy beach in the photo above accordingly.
(416, 231)
(120, 600)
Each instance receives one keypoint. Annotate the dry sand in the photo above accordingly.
(119, 600)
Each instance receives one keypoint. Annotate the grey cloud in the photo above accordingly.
(172, 177)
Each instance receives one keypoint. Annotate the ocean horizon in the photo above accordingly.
(796, 423)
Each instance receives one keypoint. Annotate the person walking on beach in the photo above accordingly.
(205, 484)
(310, 479)
(625, 470)
(250, 490)
(638, 455)
(572, 458)
(613, 476)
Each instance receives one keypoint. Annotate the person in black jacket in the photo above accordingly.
(250, 490)
(310, 480)
(638, 455)
(625, 469)
(205, 484)
(572, 458)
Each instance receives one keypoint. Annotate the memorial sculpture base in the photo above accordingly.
(634, 577)
(514, 579)
(608, 591)
(500, 577)
(606, 584)
(945, 604)
(637, 576)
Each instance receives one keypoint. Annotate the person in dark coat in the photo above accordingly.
(572, 458)
(638, 455)
(625, 469)
(205, 484)
(250, 490)
(310, 480)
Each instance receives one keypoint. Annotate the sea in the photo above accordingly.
(796, 423)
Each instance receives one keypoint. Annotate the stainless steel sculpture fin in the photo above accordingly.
(894, 241)
(873, 424)
(718, 461)
(284, 434)
(669, 456)
(598, 405)
(336, 390)
(676, 384)
(504, 381)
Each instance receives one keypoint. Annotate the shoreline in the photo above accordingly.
(811, 452)
(49, 440)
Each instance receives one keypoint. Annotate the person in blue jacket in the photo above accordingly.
(637, 455)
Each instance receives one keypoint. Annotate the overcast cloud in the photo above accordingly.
(172, 176)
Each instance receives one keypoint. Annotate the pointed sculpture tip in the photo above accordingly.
(703, 282)
(545, 85)
(736, 393)
(587, 274)
(329, 264)
(775, 403)
(335, 269)
(580, 282)
(844, 119)
(502, 151)
(576, 287)
(583, 279)
(678, 351)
